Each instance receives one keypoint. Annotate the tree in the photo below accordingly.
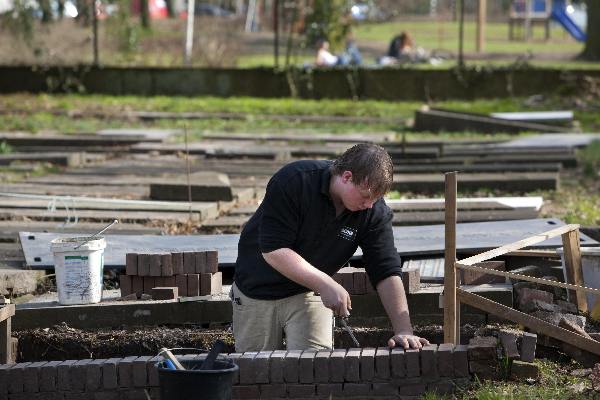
(591, 51)
(329, 21)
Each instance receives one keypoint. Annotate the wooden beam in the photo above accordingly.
(579, 289)
(6, 313)
(481, 19)
(572, 259)
(535, 324)
(499, 251)
(451, 308)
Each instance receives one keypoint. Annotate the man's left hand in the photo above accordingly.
(407, 341)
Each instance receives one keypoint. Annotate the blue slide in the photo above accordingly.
(560, 15)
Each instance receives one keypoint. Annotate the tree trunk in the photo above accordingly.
(144, 14)
(591, 51)
(170, 9)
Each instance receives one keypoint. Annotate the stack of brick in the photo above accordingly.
(367, 372)
(483, 357)
(194, 273)
(356, 280)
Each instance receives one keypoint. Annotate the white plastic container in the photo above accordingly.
(78, 272)
(590, 268)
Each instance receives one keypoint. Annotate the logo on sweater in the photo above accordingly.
(347, 233)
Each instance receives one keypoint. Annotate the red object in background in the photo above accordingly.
(157, 8)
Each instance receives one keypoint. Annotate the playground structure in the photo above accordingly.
(528, 13)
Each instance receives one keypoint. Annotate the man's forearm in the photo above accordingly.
(294, 267)
(393, 298)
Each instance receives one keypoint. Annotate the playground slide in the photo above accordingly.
(560, 15)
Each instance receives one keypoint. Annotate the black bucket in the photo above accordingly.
(195, 384)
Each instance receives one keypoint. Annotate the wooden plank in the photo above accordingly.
(528, 321)
(299, 137)
(7, 311)
(465, 204)
(451, 308)
(541, 237)
(5, 341)
(56, 158)
(572, 258)
(539, 116)
(492, 167)
(579, 288)
(567, 160)
(17, 140)
(436, 217)
(94, 190)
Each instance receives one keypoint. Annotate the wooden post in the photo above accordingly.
(6, 313)
(451, 309)
(481, 17)
(572, 258)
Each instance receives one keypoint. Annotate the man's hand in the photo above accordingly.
(335, 297)
(407, 341)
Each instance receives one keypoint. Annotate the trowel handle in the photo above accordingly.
(170, 357)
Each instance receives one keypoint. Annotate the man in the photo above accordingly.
(313, 217)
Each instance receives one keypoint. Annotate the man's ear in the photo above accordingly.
(346, 176)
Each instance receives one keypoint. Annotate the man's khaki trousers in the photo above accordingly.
(259, 324)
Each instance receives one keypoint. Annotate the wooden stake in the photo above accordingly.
(481, 19)
(6, 313)
(572, 257)
(451, 308)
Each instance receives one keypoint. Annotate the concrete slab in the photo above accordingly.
(19, 281)
(550, 140)
(156, 134)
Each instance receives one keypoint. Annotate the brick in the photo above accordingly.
(347, 278)
(306, 366)
(429, 361)
(63, 382)
(166, 264)
(181, 281)
(382, 363)
(47, 378)
(441, 388)
(154, 260)
(357, 389)
(189, 262)
(411, 279)
(445, 359)
(170, 281)
(478, 278)
(193, 285)
(291, 363)
(110, 396)
(482, 348)
(139, 371)
(384, 389)
(165, 293)
(143, 264)
(245, 392)
(4, 379)
(109, 373)
(152, 370)
(149, 283)
(329, 390)
(370, 288)
(177, 260)
(296, 391)
(520, 370)
(413, 363)
(508, 339)
(31, 377)
(125, 373)
(397, 363)
(247, 370)
(125, 284)
(321, 366)
(235, 358)
(200, 262)
(528, 344)
(461, 360)
(137, 285)
(527, 294)
(212, 261)
(93, 375)
(484, 369)
(277, 358)
(367, 364)
(359, 281)
(352, 365)
(336, 365)
(211, 284)
(261, 366)
(78, 375)
(131, 264)
(273, 391)
(412, 389)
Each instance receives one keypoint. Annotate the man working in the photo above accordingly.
(313, 217)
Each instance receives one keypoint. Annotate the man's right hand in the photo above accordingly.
(335, 297)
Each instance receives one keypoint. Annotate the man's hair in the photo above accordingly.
(370, 164)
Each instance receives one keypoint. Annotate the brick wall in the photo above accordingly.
(379, 372)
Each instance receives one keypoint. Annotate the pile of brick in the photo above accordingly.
(356, 280)
(367, 372)
(192, 273)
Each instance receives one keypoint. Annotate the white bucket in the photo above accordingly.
(590, 268)
(78, 272)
